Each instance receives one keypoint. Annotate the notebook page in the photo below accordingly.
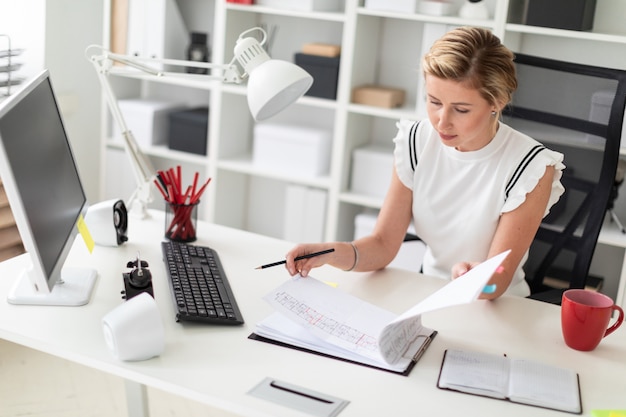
(475, 373)
(544, 385)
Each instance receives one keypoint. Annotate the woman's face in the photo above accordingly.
(460, 114)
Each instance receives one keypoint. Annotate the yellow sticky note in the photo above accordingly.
(332, 284)
(608, 413)
(84, 232)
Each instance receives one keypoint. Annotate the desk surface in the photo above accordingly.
(219, 365)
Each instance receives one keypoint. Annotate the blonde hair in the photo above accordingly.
(474, 56)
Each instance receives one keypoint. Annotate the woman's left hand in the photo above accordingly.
(461, 268)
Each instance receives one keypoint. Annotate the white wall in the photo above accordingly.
(54, 35)
(72, 25)
(24, 22)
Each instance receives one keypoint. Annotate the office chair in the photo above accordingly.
(577, 110)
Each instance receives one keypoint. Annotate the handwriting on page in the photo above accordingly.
(360, 327)
(328, 325)
(333, 316)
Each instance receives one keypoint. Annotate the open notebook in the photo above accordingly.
(517, 380)
(313, 316)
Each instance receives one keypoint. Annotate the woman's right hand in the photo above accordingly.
(304, 266)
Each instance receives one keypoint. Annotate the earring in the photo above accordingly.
(494, 113)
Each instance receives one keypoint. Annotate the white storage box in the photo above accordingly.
(437, 8)
(406, 6)
(411, 253)
(146, 119)
(601, 102)
(302, 5)
(372, 166)
(293, 150)
(305, 214)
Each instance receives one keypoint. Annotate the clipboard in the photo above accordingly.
(405, 372)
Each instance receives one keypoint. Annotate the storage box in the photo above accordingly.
(405, 6)
(325, 72)
(372, 166)
(560, 14)
(437, 8)
(321, 49)
(188, 130)
(379, 96)
(302, 5)
(292, 150)
(411, 253)
(146, 119)
(600, 111)
(305, 213)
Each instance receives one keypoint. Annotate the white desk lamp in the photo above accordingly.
(273, 85)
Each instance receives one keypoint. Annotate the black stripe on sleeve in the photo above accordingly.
(521, 167)
(413, 145)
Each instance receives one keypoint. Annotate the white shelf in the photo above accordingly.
(417, 17)
(378, 47)
(244, 165)
(325, 16)
(568, 34)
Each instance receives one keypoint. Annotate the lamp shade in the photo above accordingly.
(273, 84)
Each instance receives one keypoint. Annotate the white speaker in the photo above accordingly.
(108, 222)
(134, 330)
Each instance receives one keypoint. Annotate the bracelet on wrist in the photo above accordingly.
(356, 257)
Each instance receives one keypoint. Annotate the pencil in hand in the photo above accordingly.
(298, 258)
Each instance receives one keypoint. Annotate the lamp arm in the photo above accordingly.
(142, 168)
(230, 71)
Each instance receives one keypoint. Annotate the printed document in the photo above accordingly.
(316, 316)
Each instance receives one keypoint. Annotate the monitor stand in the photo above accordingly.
(74, 289)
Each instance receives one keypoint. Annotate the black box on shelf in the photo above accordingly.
(325, 72)
(560, 14)
(188, 130)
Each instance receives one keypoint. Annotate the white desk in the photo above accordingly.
(219, 365)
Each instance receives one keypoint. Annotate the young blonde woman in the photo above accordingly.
(472, 186)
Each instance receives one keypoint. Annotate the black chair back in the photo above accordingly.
(577, 110)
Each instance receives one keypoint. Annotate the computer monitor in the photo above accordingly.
(46, 195)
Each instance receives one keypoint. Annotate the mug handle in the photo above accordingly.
(618, 322)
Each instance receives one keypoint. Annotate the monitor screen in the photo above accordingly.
(43, 186)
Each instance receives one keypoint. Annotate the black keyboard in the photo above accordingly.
(199, 285)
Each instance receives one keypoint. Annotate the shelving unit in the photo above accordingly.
(8, 66)
(378, 47)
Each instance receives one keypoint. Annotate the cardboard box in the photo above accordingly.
(372, 166)
(292, 150)
(379, 96)
(302, 5)
(188, 130)
(404, 6)
(325, 73)
(322, 49)
(146, 119)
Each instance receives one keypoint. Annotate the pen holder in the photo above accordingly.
(181, 221)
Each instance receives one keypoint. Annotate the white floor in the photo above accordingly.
(36, 384)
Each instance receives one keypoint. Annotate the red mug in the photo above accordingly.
(585, 317)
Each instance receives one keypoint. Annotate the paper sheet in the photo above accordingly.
(355, 325)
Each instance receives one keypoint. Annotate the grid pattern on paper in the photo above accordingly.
(326, 324)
